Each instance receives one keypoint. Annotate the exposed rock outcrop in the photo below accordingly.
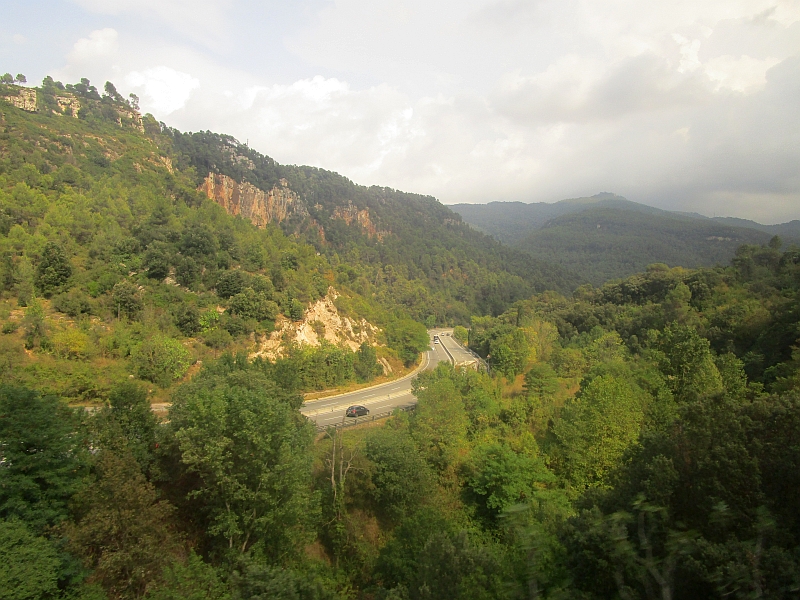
(351, 214)
(321, 321)
(68, 105)
(252, 203)
(24, 98)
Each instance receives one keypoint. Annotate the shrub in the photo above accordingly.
(70, 343)
(161, 359)
(73, 303)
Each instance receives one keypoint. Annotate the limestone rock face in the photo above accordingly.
(350, 214)
(321, 321)
(69, 105)
(253, 204)
(24, 99)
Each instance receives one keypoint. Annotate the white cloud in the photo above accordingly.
(163, 90)
(101, 43)
(18, 39)
(740, 74)
(199, 19)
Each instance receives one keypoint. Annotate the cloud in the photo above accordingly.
(101, 44)
(19, 39)
(163, 90)
(684, 104)
(202, 20)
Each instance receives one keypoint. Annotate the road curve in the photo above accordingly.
(379, 398)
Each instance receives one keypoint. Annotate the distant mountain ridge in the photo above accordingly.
(607, 236)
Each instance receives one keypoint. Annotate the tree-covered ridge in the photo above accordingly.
(605, 243)
(608, 237)
(111, 263)
(430, 262)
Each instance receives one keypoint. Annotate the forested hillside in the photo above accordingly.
(605, 243)
(404, 248)
(608, 237)
(113, 265)
(635, 440)
(510, 222)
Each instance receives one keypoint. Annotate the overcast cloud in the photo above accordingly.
(682, 105)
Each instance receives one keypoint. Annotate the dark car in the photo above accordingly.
(356, 411)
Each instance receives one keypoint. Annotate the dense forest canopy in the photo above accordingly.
(637, 439)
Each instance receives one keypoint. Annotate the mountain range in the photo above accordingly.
(607, 236)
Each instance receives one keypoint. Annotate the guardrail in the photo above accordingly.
(351, 421)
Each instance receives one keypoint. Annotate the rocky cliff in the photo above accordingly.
(351, 214)
(252, 203)
(24, 98)
(321, 321)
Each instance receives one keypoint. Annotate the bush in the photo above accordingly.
(187, 319)
(10, 326)
(161, 359)
(230, 283)
(73, 303)
(70, 343)
(250, 304)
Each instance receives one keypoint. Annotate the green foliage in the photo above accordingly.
(31, 565)
(161, 360)
(365, 363)
(502, 478)
(461, 335)
(247, 445)
(194, 580)
(408, 338)
(250, 304)
(130, 409)
(41, 457)
(53, 270)
(595, 430)
(122, 530)
(403, 481)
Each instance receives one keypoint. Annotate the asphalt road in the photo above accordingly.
(379, 398)
(460, 354)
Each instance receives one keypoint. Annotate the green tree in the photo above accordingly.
(501, 477)
(687, 362)
(250, 304)
(53, 270)
(596, 428)
(403, 481)
(156, 260)
(440, 422)
(160, 359)
(408, 338)
(130, 408)
(122, 531)
(31, 565)
(127, 299)
(248, 447)
(41, 456)
(230, 283)
(34, 324)
(7, 79)
(365, 365)
(20, 79)
(193, 580)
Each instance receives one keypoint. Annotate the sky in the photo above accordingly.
(683, 105)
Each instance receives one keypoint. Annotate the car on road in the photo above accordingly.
(356, 411)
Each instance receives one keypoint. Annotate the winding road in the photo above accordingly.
(387, 396)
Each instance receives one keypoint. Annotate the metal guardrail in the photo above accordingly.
(350, 422)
